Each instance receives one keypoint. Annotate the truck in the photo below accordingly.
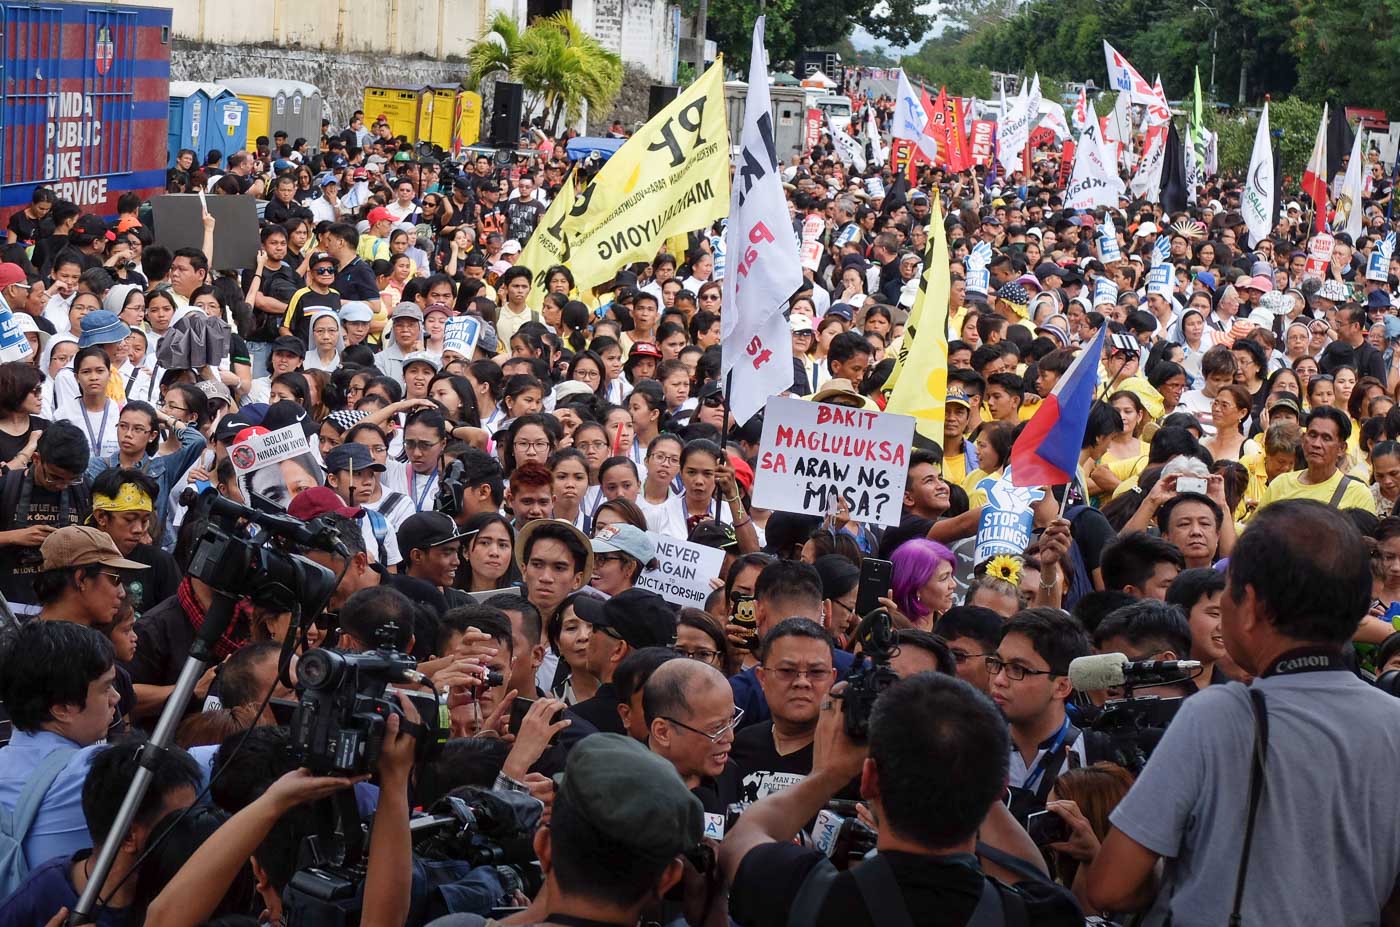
(84, 102)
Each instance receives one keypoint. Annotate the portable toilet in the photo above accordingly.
(189, 119)
(228, 122)
(398, 105)
(436, 105)
(290, 105)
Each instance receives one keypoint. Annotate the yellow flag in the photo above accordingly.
(547, 246)
(923, 386)
(906, 340)
(671, 176)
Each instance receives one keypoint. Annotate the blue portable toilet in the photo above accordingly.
(205, 116)
(228, 123)
(189, 119)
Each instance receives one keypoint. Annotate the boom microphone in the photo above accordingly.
(1110, 670)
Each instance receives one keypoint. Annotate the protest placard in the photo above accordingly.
(813, 453)
(276, 465)
(178, 220)
(1006, 520)
(461, 335)
(683, 572)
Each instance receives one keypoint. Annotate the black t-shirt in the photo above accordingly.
(10, 445)
(1091, 533)
(719, 793)
(910, 526)
(149, 587)
(22, 504)
(522, 216)
(29, 230)
(279, 284)
(601, 710)
(762, 771)
(939, 891)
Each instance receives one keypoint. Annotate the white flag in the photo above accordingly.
(1158, 113)
(1193, 167)
(1094, 180)
(1083, 113)
(1124, 78)
(1257, 201)
(756, 351)
(848, 149)
(1147, 182)
(1052, 116)
(1349, 211)
(1014, 130)
(910, 118)
(872, 132)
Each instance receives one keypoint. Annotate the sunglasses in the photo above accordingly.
(329, 271)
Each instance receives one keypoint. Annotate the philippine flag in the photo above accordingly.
(1047, 452)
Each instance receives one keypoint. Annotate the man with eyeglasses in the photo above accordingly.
(49, 494)
(691, 715)
(628, 622)
(1030, 684)
(973, 634)
(796, 672)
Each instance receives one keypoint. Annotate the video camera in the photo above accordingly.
(871, 674)
(338, 728)
(485, 828)
(1133, 725)
(841, 835)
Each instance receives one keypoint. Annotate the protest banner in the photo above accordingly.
(683, 572)
(13, 345)
(1005, 524)
(178, 222)
(547, 246)
(276, 465)
(921, 389)
(812, 453)
(1319, 256)
(811, 128)
(981, 142)
(671, 176)
(461, 335)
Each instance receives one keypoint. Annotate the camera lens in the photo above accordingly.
(319, 669)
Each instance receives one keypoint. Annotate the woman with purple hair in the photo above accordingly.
(923, 582)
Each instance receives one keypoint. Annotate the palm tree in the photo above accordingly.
(559, 65)
(494, 52)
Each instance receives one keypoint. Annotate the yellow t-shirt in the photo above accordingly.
(955, 468)
(1290, 486)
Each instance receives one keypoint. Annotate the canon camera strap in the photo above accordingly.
(1307, 660)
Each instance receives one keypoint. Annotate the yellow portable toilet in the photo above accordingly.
(436, 104)
(398, 105)
(466, 121)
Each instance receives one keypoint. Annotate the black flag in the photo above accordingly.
(1173, 190)
(1340, 138)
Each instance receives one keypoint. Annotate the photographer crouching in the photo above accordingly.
(935, 763)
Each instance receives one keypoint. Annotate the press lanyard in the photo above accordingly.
(96, 440)
(1033, 777)
(422, 497)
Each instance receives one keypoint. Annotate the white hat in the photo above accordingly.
(511, 246)
(24, 324)
(1147, 228)
(1333, 290)
(1262, 318)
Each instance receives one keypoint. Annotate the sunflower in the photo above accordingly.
(1005, 567)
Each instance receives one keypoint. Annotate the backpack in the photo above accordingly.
(380, 526)
(15, 825)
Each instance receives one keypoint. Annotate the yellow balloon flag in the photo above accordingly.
(548, 245)
(922, 366)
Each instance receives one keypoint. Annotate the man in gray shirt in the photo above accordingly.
(1326, 847)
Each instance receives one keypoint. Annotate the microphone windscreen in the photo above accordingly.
(1097, 671)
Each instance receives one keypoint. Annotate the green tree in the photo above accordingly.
(794, 26)
(559, 65)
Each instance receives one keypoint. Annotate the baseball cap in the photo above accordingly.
(320, 500)
(12, 275)
(288, 344)
(79, 545)
(800, 322)
(356, 311)
(511, 246)
(421, 357)
(407, 311)
(326, 179)
(659, 817)
(640, 618)
(321, 257)
(379, 214)
(350, 456)
(626, 539)
(957, 397)
(644, 349)
(1286, 402)
(427, 529)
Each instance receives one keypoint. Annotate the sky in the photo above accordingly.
(864, 40)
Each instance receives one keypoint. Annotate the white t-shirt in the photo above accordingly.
(666, 518)
(100, 428)
(421, 488)
(396, 507)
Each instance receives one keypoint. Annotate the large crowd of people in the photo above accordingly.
(499, 514)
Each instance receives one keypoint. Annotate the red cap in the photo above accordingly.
(380, 214)
(743, 473)
(320, 500)
(10, 274)
(644, 349)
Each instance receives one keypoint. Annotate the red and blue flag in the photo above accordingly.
(1047, 452)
